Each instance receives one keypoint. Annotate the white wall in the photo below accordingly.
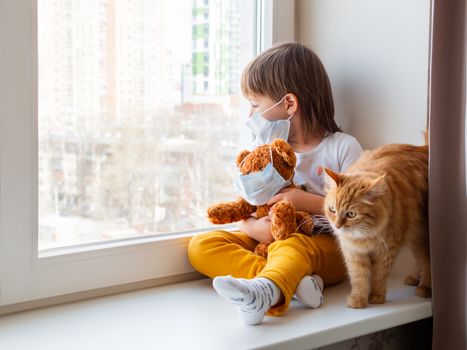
(376, 54)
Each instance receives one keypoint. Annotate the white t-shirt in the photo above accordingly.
(336, 152)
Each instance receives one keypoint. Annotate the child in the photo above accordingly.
(290, 97)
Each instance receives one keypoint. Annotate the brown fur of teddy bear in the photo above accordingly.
(284, 219)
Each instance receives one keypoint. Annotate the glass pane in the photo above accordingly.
(138, 115)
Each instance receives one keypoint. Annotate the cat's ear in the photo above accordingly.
(378, 182)
(331, 179)
(376, 187)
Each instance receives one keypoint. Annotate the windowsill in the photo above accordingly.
(190, 315)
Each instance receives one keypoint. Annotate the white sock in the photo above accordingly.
(253, 297)
(309, 291)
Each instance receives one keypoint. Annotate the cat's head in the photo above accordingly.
(351, 203)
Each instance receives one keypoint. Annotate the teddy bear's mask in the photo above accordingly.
(258, 187)
(255, 161)
(264, 172)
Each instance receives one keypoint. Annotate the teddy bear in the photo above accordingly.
(285, 220)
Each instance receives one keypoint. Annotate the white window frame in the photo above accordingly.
(275, 22)
(25, 276)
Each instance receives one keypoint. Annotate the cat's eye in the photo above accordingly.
(351, 214)
(331, 209)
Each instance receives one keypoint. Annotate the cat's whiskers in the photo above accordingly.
(308, 220)
(320, 230)
(319, 224)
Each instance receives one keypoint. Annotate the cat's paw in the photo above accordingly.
(423, 291)
(376, 299)
(357, 301)
(411, 281)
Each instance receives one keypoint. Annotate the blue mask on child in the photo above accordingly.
(265, 131)
(259, 187)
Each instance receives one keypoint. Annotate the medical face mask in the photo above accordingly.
(265, 131)
(259, 187)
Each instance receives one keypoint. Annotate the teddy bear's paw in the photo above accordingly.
(219, 215)
(262, 249)
(280, 232)
(283, 222)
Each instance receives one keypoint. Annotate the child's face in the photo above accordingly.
(260, 103)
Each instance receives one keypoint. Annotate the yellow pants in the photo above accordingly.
(221, 253)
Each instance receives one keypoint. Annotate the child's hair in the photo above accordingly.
(293, 68)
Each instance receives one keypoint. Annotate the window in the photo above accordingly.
(60, 132)
(128, 94)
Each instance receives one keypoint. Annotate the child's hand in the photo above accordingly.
(258, 229)
(295, 196)
(301, 200)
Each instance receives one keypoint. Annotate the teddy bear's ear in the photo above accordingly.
(285, 151)
(242, 156)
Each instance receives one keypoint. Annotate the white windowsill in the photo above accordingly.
(190, 315)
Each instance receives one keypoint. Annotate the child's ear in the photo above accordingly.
(291, 103)
(285, 151)
(331, 179)
(242, 156)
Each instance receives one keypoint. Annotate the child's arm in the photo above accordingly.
(302, 201)
(258, 229)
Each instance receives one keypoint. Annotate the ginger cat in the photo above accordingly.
(377, 206)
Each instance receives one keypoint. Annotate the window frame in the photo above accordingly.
(25, 275)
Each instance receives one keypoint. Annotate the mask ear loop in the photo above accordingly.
(274, 105)
(239, 165)
(270, 153)
(272, 163)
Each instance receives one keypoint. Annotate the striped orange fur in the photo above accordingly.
(375, 208)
